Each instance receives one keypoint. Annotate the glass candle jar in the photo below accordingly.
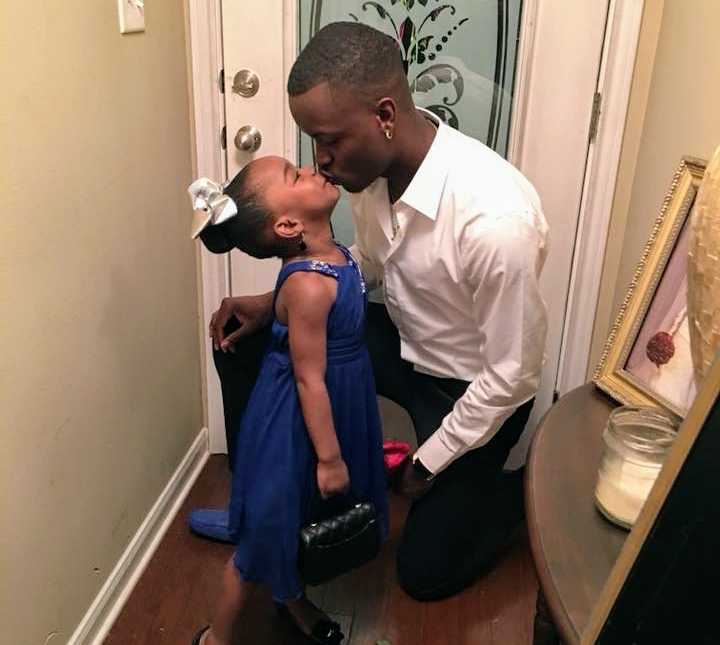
(636, 441)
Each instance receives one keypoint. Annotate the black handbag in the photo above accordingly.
(337, 543)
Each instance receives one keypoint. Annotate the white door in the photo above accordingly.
(519, 75)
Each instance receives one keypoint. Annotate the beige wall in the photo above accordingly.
(673, 112)
(100, 383)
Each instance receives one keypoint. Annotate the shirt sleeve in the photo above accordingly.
(501, 259)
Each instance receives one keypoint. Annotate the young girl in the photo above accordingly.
(311, 428)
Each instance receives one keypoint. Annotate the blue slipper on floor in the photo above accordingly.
(211, 523)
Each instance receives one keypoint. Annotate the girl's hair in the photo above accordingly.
(248, 230)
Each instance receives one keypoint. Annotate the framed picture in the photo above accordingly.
(647, 359)
(657, 591)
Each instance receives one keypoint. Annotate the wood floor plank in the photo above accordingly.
(176, 594)
(476, 614)
(372, 584)
(402, 619)
(442, 621)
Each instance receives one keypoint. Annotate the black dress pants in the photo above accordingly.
(457, 529)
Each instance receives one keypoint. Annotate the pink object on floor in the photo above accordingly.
(394, 454)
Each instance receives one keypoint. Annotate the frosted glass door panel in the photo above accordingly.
(459, 57)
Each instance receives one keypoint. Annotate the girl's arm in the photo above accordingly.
(306, 299)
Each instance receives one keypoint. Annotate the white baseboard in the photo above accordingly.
(117, 588)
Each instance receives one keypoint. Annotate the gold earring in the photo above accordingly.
(388, 134)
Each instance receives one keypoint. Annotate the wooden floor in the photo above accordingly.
(176, 593)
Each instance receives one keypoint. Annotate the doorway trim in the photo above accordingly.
(208, 119)
(614, 86)
(528, 21)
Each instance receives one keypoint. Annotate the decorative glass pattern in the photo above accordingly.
(459, 57)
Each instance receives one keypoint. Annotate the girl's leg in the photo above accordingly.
(234, 597)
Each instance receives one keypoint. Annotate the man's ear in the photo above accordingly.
(288, 227)
(385, 114)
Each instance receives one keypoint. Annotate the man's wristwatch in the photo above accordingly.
(420, 470)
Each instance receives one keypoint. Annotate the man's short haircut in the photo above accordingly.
(350, 54)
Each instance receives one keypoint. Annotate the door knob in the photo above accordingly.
(248, 138)
(246, 83)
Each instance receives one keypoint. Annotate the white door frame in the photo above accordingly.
(560, 58)
(208, 119)
(205, 33)
(614, 84)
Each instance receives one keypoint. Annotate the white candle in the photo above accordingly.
(623, 487)
(636, 441)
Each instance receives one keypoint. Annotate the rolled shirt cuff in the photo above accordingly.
(435, 455)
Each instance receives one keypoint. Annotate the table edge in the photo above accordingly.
(561, 619)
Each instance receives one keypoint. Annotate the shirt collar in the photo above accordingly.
(425, 190)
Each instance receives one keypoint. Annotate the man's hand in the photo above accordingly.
(411, 484)
(332, 477)
(252, 312)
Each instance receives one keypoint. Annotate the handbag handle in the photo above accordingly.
(321, 509)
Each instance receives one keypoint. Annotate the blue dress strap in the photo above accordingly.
(306, 265)
(316, 266)
(346, 252)
(353, 263)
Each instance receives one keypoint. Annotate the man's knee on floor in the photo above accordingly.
(423, 577)
(411, 579)
(428, 572)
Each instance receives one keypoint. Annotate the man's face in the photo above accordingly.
(350, 147)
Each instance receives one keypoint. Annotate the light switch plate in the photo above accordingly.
(132, 16)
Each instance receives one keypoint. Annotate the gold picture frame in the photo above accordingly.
(612, 375)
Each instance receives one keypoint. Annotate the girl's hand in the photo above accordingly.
(332, 478)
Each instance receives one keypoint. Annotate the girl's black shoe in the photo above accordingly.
(324, 631)
(199, 635)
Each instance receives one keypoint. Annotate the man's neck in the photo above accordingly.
(417, 137)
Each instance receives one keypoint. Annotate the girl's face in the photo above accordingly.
(298, 193)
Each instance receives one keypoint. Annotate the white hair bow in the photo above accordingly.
(211, 205)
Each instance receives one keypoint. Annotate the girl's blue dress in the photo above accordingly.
(274, 485)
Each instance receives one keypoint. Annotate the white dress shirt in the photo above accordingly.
(459, 256)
